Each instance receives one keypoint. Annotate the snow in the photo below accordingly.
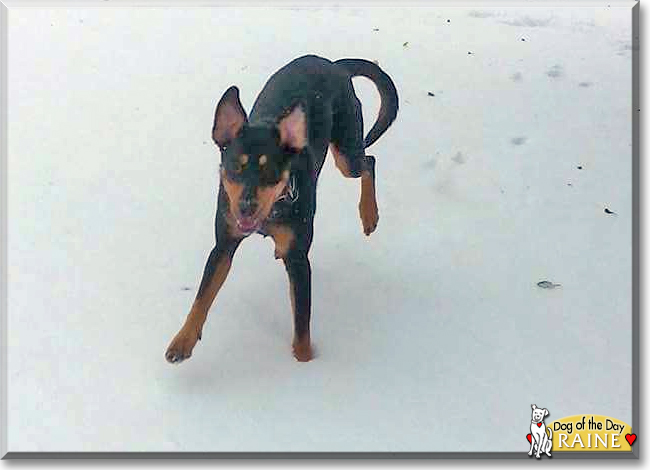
(431, 335)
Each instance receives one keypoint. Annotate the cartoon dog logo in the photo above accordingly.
(539, 440)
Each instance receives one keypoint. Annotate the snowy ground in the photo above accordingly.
(444, 341)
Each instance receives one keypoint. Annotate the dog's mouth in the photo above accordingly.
(248, 224)
(265, 197)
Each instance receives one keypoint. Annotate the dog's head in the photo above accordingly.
(539, 414)
(255, 159)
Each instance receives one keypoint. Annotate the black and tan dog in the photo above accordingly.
(270, 162)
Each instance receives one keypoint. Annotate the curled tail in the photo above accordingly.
(387, 93)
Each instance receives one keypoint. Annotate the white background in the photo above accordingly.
(433, 319)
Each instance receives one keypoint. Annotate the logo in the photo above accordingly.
(577, 433)
(592, 433)
(540, 437)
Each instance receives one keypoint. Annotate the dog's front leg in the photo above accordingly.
(299, 272)
(540, 446)
(214, 275)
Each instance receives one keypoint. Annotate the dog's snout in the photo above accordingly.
(247, 205)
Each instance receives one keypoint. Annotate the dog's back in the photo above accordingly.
(312, 80)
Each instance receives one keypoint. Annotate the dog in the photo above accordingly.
(270, 164)
(540, 442)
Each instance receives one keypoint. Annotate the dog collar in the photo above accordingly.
(290, 192)
(284, 205)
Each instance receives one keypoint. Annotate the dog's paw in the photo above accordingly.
(369, 214)
(182, 345)
(302, 351)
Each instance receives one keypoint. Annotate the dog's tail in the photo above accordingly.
(387, 93)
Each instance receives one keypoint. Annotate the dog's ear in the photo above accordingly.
(534, 407)
(293, 128)
(545, 412)
(229, 117)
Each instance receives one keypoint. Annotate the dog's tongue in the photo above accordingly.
(247, 224)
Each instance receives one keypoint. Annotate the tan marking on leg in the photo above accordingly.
(301, 347)
(263, 159)
(340, 161)
(283, 237)
(181, 346)
(302, 350)
(368, 210)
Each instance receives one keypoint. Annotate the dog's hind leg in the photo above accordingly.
(368, 210)
(348, 149)
(549, 442)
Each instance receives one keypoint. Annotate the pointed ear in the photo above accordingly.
(293, 128)
(229, 117)
(533, 407)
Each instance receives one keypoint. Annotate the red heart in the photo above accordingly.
(630, 438)
(529, 437)
(539, 425)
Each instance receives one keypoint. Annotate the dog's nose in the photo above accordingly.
(247, 206)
